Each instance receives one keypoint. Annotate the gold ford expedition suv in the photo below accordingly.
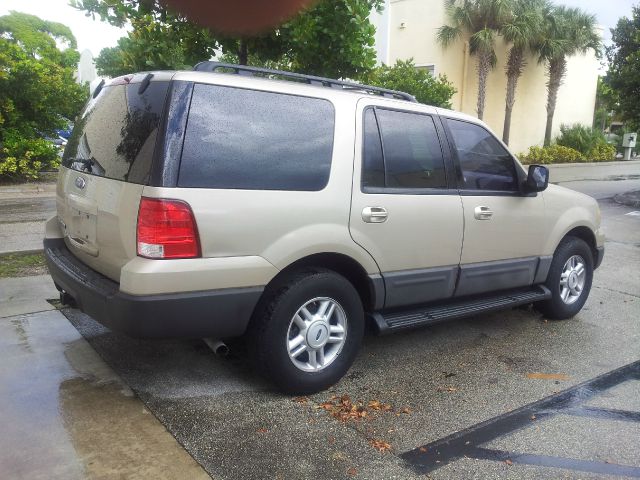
(231, 201)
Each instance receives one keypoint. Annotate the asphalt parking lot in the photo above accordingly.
(505, 395)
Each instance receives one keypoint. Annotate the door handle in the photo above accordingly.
(374, 215)
(483, 213)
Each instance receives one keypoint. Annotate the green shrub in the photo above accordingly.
(406, 77)
(602, 153)
(22, 158)
(552, 154)
(580, 138)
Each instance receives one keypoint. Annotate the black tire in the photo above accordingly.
(556, 308)
(270, 329)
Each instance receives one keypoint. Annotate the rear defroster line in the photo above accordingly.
(466, 443)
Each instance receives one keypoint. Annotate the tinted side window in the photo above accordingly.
(485, 163)
(255, 140)
(373, 161)
(115, 135)
(412, 154)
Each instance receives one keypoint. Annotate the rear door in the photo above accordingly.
(403, 211)
(106, 163)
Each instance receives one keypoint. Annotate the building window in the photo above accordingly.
(428, 67)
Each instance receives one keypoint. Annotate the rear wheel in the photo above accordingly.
(306, 333)
(569, 279)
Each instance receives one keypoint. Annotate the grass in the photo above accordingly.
(22, 264)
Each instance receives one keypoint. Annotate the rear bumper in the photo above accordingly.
(213, 313)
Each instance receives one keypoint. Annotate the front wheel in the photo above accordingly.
(569, 279)
(307, 331)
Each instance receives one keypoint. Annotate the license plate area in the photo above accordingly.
(81, 230)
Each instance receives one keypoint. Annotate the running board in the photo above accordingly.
(389, 322)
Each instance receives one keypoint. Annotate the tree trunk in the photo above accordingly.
(243, 52)
(515, 66)
(484, 65)
(556, 71)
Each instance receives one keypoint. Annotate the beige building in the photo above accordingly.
(407, 29)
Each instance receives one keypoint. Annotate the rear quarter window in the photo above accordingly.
(255, 140)
(115, 135)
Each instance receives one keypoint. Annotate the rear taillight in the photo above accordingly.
(166, 229)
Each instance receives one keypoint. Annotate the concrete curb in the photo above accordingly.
(594, 164)
(28, 188)
(630, 199)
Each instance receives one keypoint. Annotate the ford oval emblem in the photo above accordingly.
(80, 182)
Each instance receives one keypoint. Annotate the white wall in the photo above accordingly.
(86, 68)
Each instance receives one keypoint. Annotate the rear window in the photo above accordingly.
(115, 135)
(253, 140)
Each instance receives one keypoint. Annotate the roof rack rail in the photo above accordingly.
(210, 66)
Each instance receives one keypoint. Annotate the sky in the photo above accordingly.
(96, 35)
(607, 11)
(93, 35)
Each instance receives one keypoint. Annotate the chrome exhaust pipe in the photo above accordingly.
(217, 346)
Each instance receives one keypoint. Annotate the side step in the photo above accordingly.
(389, 322)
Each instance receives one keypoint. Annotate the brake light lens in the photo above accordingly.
(166, 229)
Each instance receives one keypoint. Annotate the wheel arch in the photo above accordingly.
(370, 288)
(586, 234)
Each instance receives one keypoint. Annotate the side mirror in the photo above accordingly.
(538, 178)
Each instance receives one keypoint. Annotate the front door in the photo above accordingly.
(504, 229)
(403, 212)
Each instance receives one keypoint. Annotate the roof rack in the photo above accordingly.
(299, 77)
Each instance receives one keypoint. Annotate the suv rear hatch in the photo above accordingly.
(105, 166)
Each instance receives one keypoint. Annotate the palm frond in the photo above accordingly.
(447, 35)
(483, 41)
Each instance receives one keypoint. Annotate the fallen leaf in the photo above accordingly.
(301, 399)
(262, 430)
(508, 462)
(447, 389)
(380, 445)
(352, 472)
(548, 376)
(423, 449)
(405, 410)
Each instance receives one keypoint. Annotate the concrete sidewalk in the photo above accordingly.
(28, 190)
(571, 172)
(64, 412)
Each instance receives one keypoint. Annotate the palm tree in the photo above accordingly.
(567, 32)
(521, 30)
(480, 20)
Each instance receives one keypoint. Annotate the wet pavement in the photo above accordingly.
(66, 414)
(84, 402)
